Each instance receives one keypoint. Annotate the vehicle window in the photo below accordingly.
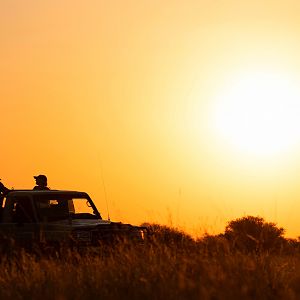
(82, 206)
(59, 207)
(52, 209)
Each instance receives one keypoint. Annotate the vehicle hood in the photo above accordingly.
(90, 224)
(80, 223)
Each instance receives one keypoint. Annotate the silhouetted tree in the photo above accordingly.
(251, 234)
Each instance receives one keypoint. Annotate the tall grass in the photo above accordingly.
(171, 265)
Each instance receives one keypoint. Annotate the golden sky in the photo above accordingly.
(182, 111)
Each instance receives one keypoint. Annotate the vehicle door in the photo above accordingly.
(53, 218)
(19, 220)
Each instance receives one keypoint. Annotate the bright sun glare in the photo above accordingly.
(259, 113)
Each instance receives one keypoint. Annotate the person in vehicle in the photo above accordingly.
(3, 189)
(3, 192)
(41, 183)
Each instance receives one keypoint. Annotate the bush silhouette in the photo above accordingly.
(253, 234)
(169, 236)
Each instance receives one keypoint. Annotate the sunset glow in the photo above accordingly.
(181, 112)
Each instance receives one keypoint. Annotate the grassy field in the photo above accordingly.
(171, 265)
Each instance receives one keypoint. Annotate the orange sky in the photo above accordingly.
(126, 90)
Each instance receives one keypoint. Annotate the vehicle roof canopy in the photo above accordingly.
(47, 192)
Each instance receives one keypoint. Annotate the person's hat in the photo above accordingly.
(41, 177)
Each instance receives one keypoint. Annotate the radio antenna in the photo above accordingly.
(104, 189)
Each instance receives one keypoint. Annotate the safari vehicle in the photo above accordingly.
(54, 216)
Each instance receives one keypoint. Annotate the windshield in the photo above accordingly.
(58, 207)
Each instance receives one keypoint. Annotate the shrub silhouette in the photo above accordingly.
(214, 244)
(168, 236)
(253, 234)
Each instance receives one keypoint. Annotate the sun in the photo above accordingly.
(259, 113)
